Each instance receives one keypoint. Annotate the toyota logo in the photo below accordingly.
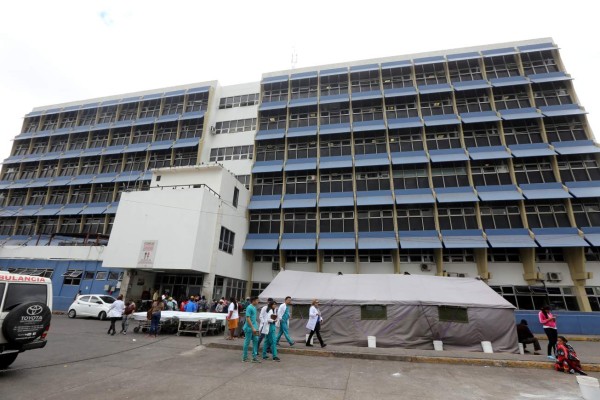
(34, 310)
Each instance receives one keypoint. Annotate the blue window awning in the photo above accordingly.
(43, 134)
(471, 85)
(459, 194)
(28, 211)
(60, 181)
(334, 128)
(560, 110)
(272, 105)
(20, 184)
(400, 92)
(335, 162)
(162, 145)
(132, 148)
(519, 113)
(509, 238)
(584, 189)
(374, 198)
(299, 241)
(105, 178)
(40, 182)
(499, 193)
(71, 209)
(270, 134)
(371, 160)
(461, 239)
(488, 153)
(152, 96)
(336, 199)
(264, 202)
(499, 52)
(122, 124)
(261, 242)
(364, 68)
(80, 129)
(477, 117)
(419, 240)
(549, 77)
(144, 121)
(429, 60)
(541, 191)
(531, 150)
(5, 184)
(446, 119)
(301, 164)
(509, 81)
(50, 156)
(168, 118)
(403, 123)
(370, 95)
(82, 180)
(275, 79)
(66, 154)
(128, 176)
(112, 208)
(302, 131)
(364, 126)
(304, 75)
(559, 237)
(437, 88)
(409, 157)
(175, 93)
(333, 71)
(192, 115)
(146, 176)
(576, 147)
(202, 89)
(187, 142)
(377, 240)
(463, 56)
(592, 235)
(337, 241)
(396, 64)
(13, 159)
(267, 166)
(446, 155)
(307, 200)
(49, 210)
(9, 211)
(95, 208)
(337, 98)
(414, 196)
(303, 102)
(537, 47)
(113, 150)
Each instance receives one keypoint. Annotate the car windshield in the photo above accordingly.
(19, 293)
(107, 299)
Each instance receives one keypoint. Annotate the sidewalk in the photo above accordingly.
(589, 353)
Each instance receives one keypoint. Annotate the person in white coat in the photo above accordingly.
(270, 329)
(262, 317)
(115, 313)
(314, 323)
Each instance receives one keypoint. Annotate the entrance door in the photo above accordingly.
(180, 292)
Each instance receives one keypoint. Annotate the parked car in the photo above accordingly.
(25, 314)
(91, 305)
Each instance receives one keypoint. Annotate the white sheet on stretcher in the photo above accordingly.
(182, 315)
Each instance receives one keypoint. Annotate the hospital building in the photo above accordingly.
(475, 162)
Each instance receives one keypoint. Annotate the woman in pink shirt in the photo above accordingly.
(548, 321)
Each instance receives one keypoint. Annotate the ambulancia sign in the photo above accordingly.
(147, 253)
(21, 278)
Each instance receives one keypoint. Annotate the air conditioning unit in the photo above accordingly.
(553, 276)
(425, 268)
(213, 130)
(311, 178)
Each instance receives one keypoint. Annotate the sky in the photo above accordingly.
(59, 51)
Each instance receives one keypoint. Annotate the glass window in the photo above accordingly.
(373, 312)
(453, 314)
(19, 293)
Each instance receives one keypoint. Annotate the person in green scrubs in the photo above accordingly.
(251, 331)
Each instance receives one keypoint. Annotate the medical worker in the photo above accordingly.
(251, 331)
(284, 317)
(270, 329)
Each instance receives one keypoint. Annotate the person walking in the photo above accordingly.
(283, 313)
(130, 308)
(191, 305)
(233, 317)
(262, 321)
(155, 313)
(251, 331)
(115, 313)
(314, 323)
(548, 321)
(526, 337)
(270, 328)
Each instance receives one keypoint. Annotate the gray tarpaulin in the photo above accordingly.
(412, 309)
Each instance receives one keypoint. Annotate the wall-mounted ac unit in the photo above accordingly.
(213, 130)
(311, 178)
(425, 268)
(554, 276)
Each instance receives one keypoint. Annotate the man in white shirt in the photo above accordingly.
(262, 319)
(283, 313)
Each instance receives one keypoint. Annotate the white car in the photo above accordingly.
(91, 305)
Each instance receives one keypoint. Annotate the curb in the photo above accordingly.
(573, 338)
(415, 359)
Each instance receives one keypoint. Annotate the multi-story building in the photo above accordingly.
(474, 162)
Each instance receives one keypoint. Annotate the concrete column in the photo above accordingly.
(530, 272)
(396, 260)
(575, 257)
(482, 264)
(208, 284)
(319, 260)
(439, 262)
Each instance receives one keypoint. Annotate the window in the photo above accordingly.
(501, 66)
(334, 85)
(173, 105)
(365, 81)
(301, 256)
(410, 177)
(464, 70)
(504, 255)
(546, 254)
(235, 126)
(277, 91)
(303, 116)
(416, 218)
(551, 94)
(374, 256)
(453, 314)
(120, 137)
(135, 162)
(39, 146)
(79, 194)
(450, 175)
(50, 122)
(93, 225)
(244, 180)
(101, 276)
(266, 185)
(166, 131)
(49, 170)
(58, 195)
(337, 220)
(304, 88)
(37, 197)
(336, 113)
(88, 275)
(25, 227)
(70, 225)
(112, 164)
(273, 120)
(375, 220)
(334, 148)
(231, 153)
(301, 149)
(534, 170)
(538, 62)
(143, 134)
(500, 216)
(370, 144)
(522, 132)
(442, 138)
(300, 311)
(68, 120)
(339, 256)
(578, 168)
(191, 129)
(436, 104)
(336, 182)
(406, 140)
(300, 222)
(401, 107)
(396, 77)
(481, 135)
(430, 74)
(373, 312)
(236, 196)
(10, 173)
(561, 129)
(593, 295)
(89, 166)
(21, 149)
(160, 159)
(128, 111)
(31, 124)
(269, 152)
(473, 101)
(58, 144)
(299, 184)
(47, 226)
(265, 222)
(19, 293)
(417, 256)
(87, 117)
(547, 215)
(587, 212)
(258, 288)
(239, 101)
(107, 114)
(373, 179)
(457, 217)
(72, 277)
(99, 139)
(486, 174)
(369, 110)
(7, 226)
(266, 256)
(511, 97)
(534, 297)
(226, 240)
(28, 172)
(149, 108)
(17, 198)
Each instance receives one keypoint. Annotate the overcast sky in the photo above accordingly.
(59, 51)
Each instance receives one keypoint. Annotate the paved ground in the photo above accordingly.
(81, 361)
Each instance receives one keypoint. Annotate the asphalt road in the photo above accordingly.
(82, 362)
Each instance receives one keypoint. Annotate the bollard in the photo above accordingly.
(372, 341)
(521, 349)
(487, 347)
(438, 345)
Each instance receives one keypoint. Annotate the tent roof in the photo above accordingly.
(357, 289)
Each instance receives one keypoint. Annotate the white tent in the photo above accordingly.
(410, 310)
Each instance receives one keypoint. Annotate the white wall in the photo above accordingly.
(81, 253)
(334, 268)
(306, 267)
(376, 268)
(462, 268)
(415, 269)
(506, 274)
(594, 268)
(563, 268)
(262, 272)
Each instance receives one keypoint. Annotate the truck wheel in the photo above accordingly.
(26, 322)
(7, 359)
